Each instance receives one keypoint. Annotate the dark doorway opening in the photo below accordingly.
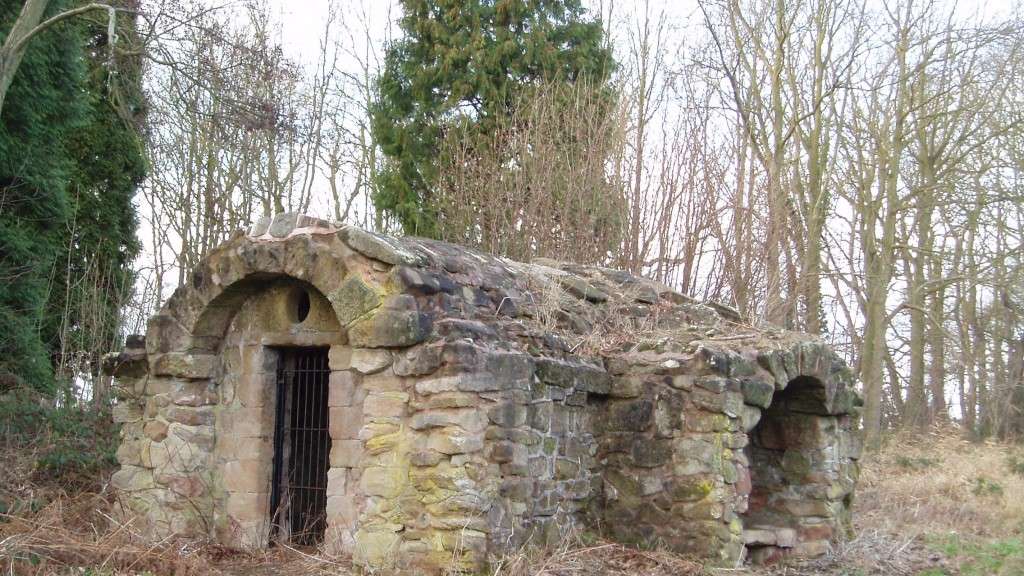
(784, 448)
(302, 446)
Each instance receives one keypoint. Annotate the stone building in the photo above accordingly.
(423, 406)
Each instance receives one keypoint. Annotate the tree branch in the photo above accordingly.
(21, 42)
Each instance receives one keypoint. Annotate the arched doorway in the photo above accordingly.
(273, 443)
(793, 464)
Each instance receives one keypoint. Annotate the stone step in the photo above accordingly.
(761, 535)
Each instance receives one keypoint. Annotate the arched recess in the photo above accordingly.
(793, 466)
(273, 432)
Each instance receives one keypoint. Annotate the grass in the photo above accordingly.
(927, 505)
(973, 557)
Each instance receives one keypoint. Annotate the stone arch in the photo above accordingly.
(195, 317)
(216, 456)
(794, 504)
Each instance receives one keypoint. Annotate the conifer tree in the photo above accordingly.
(464, 62)
(69, 165)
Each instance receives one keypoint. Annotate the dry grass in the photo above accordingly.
(579, 556)
(938, 482)
(78, 535)
(64, 523)
(914, 494)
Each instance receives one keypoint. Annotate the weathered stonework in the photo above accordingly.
(477, 405)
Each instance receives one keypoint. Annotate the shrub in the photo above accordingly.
(917, 463)
(987, 487)
(1015, 463)
(69, 445)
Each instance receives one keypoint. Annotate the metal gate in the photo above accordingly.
(302, 446)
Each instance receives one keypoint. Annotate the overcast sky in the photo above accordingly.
(302, 20)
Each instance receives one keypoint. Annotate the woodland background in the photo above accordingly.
(850, 169)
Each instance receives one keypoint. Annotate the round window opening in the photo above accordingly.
(298, 304)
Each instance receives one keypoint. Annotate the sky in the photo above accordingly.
(301, 20)
(298, 18)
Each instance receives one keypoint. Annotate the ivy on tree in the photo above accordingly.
(465, 62)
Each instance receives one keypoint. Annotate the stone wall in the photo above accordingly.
(477, 405)
(680, 469)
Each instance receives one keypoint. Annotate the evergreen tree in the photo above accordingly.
(69, 164)
(464, 62)
(109, 167)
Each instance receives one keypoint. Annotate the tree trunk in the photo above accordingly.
(13, 49)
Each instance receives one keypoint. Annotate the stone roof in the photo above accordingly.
(589, 314)
(596, 309)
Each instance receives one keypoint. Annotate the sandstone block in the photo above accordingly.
(342, 511)
(627, 386)
(341, 389)
(376, 549)
(376, 428)
(246, 475)
(819, 508)
(682, 381)
(132, 479)
(395, 324)
(507, 414)
(732, 404)
(571, 374)
(702, 421)
(185, 365)
(339, 357)
(255, 390)
(344, 422)
(353, 299)
(690, 488)
(378, 247)
(385, 404)
(581, 289)
(246, 507)
(346, 453)
(418, 360)
(370, 360)
(385, 481)
(384, 381)
(696, 456)
(652, 453)
(445, 400)
(383, 443)
(129, 453)
(202, 416)
(454, 441)
(714, 384)
(191, 486)
(193, 394)
(155, 430)
(248, 422)
(126, 412)
(757, 392)
(468, 419)
(749, 417)
(629, 416)
(812, 549)
(425, 458)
